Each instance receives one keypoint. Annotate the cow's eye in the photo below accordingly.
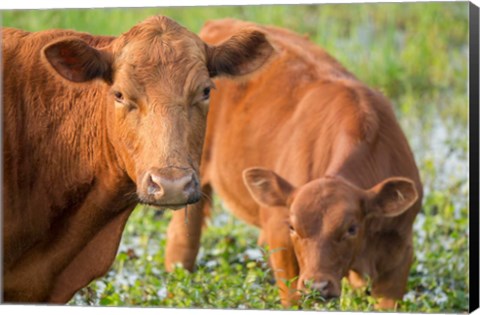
(118, 96)
(291, 228)
(352, 230)
(206, 93)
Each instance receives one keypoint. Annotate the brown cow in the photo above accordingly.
(93, 125)
(335, 183)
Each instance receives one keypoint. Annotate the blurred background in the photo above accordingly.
(417, 55)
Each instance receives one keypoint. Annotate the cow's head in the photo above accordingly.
(326, 218)
(159, 77)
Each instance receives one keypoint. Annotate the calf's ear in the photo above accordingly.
(391, 197)
(267, 188)
(243, 53)
(76, 61)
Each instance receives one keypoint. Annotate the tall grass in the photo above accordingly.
(416, 54)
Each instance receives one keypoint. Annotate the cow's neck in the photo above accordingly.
(63, 146)
(71, 168)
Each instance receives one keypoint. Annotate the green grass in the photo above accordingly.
(415, 53)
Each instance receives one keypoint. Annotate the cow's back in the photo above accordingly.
(300, 116)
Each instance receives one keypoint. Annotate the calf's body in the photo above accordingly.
(92, 125)
(326, 150)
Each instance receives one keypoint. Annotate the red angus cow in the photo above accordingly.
(92, 125)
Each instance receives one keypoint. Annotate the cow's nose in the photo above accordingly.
(325, 288)
(172, 187)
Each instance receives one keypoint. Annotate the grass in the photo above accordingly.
(415, 53)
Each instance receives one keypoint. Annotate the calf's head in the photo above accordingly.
(326, 219)
(158, 79)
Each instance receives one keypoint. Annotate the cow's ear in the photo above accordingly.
(391, 197)
(267, 188)
(77, 61)
(243, 53)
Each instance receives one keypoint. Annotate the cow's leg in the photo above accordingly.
(282, 258)
(33, 277)
(184, 233)
(92, 262)
(390, 286)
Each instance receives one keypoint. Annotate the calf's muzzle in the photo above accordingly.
(328, 288)
(170, 187)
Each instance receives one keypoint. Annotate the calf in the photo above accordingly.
(92, 125)
(330, 178)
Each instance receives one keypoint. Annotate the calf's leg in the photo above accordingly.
(356, 280)
(282, 259)
(390, 285)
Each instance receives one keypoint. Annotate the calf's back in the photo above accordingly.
(304, 116)
(308, 120)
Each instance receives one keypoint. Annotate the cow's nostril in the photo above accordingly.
(191, 190)
(154, 187)
(191, 186)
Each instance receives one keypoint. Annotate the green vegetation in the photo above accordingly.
(417, 54)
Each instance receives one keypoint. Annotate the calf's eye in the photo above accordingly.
(352, 230)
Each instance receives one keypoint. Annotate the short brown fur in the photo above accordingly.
(92, 125)
(310, 136)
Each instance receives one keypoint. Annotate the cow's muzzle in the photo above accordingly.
(170, 187)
